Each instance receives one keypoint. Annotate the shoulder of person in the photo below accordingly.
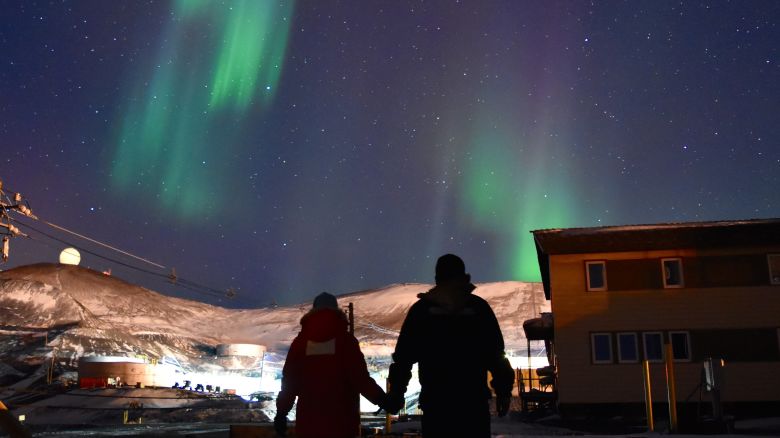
(348, 339)
(421, 303)
(477, 300)
(480, 305)
(297, 346)
(418, 310)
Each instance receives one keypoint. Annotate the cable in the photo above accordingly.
(378, 328)
(61, 228)
(101, 244)
(184, 283)
(90, 252)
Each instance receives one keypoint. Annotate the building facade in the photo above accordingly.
(620, 294)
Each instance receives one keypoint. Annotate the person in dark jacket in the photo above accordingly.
(327, 372)
(455, 338)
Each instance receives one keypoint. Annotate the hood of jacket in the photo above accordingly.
(451, 297)
(322, 324)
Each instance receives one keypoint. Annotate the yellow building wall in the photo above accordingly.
(579, 312)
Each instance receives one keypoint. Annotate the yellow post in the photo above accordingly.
(648, 396)
(50, 371)
(11, 425)
(387, 414)
(671, 390)
(124, 417)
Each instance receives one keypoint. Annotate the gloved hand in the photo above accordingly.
(280, 425)
(502, 404)
(393, 402)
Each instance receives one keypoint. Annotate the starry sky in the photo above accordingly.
(270, 150)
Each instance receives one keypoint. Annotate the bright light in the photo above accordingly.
(70, 256)
(522, 362)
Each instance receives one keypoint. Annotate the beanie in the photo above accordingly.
(325, 300)
(448, 267)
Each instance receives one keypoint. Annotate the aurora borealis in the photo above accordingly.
(175, 120)
(283, 148)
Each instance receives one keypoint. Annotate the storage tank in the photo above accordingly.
(246, 350)
(95, 371)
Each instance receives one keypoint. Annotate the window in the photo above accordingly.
(681, 346)
(654, 346)
(774, 268)
(596, 273)
(601, 347)
(627, 348)
(672, 272)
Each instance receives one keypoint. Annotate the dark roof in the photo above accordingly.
(687, 235)
(540, 329)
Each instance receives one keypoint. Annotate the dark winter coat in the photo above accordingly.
(455, 337)
(326, 371)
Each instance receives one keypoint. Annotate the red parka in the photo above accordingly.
(326, 370)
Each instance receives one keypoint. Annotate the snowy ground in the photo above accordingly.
(501, 427)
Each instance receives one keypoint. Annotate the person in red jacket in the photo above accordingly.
(327, 372)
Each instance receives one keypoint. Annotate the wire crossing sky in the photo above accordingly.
(287, 148)
(172, 132)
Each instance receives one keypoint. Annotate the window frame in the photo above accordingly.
(620, 348)
(688, 345)
(588, 287)
(593, 359)
(663, 273)
(644, 346)
(772, 281)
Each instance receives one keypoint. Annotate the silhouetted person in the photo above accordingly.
(326, 371)
(455, 338)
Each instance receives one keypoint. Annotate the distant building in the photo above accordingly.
(245, 350)
(241, 357)
(101, 371)
(618, 294)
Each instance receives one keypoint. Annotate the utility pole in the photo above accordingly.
(7, 228)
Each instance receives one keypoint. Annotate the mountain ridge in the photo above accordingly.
(107, 315)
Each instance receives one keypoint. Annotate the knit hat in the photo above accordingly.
(325, 300)
(448, 267)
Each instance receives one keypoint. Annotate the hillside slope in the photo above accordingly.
(87, 312)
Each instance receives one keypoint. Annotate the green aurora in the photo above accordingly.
(513, 185)
(217, 62)
(221, 63)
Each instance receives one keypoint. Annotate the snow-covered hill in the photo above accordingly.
(83, 312)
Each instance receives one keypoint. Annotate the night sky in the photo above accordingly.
(282, 149)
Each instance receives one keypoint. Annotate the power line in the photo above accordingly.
(21, 206)
(80, 248)
(101, 243)
(182, 282)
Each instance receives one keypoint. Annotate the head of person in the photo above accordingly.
(451, 269)
(325, 301)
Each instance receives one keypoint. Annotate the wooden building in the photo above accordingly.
(619, 294)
